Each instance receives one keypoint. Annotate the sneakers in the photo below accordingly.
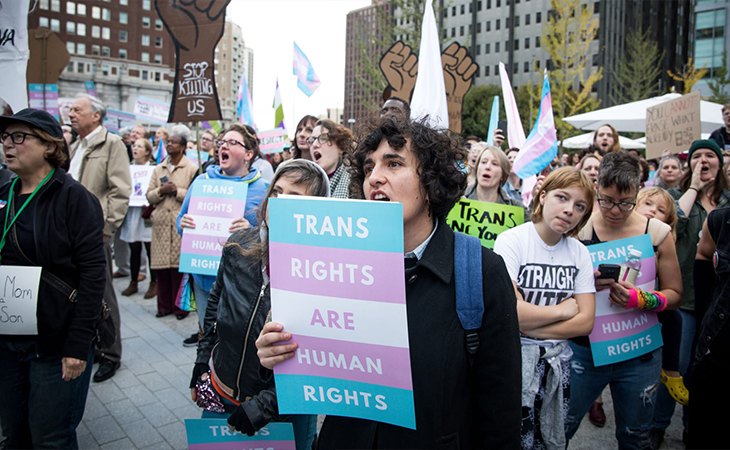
(676, 388)
(192, 341)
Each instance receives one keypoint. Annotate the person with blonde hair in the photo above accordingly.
(491, 171)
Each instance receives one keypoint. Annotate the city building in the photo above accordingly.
(711, 38)
(232, 60)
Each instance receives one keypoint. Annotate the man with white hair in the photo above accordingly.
(99, 162)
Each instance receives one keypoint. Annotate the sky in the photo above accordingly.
(270, 27)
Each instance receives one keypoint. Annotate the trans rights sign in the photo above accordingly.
(484, 220)
(214, 204)
(620, 334)
(337, 284)
(215, 434)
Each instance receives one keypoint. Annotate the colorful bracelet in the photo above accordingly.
(646, 301)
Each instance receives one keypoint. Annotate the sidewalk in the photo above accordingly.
(143, 406)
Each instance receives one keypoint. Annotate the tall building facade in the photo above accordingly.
(711, 38)
(232, 60)
(120, 45)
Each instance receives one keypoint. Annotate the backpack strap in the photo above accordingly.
(469, 293)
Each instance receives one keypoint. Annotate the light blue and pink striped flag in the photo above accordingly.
(307, 80)
(541, 145)
(161, 152)
(244, 109)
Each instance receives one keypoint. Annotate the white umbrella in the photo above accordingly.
(631, 117)
(585, 140)
(642, 139)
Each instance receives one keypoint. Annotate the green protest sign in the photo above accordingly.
(484, 220)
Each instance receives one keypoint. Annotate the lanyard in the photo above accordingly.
(9, 224)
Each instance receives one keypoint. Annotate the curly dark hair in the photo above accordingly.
(440, 159)
(341, 136)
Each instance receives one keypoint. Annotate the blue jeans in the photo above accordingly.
(665, 403)
(633, 390)
(39, 409)
(305, 425)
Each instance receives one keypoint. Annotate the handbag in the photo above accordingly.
(185, 298)
(147, 212)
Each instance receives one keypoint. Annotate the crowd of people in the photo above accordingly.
(529, 382)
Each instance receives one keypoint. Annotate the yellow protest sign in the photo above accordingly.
(484, 220)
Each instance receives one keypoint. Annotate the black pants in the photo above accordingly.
(135, 259)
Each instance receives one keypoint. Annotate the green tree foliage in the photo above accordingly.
(476, 109)
(718, 85)
(637, 74)
(567, 36)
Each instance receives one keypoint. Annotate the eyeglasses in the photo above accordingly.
(230, 143)
(609, 204)
(18, 137)
(322, 139)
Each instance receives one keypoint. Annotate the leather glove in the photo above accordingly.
(198, 370)
(240, 421)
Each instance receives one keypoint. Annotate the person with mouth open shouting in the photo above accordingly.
(458, 404)
(329, 144)
(235, 152)
(492, 170)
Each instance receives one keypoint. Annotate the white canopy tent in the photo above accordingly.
(631, 117)
(585, 140)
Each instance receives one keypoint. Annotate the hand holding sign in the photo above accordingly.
(459, 68)
(195, 26)
(400, 66)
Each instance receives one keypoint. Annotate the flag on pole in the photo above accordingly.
(214, 125)
(244, 109)
(278, 109)
(161, 152)
(515, 132)
(429, 95)
(307, 80)
(493, 120)
(541, 145)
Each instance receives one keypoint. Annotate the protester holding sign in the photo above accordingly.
(553, 273)
(236, 151)
(135, 230)
(329, 145)
(48, 321)
(460, 401)
(166, 192)
(492, 170)
(634, 373)
(236, 313)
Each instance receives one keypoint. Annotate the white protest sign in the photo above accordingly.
(141, 176)
(19, 299)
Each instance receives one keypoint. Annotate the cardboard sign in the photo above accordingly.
(205, 434)
(141, 176)
(620, 334)
(45, 99)
(336, 284)
(195, 29)
(673, 125)
(214, 205)
(19, 299)
(151, 110)
(484, 220)
(272, 141)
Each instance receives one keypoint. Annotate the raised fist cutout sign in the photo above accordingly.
(399, 65)
(195, 26)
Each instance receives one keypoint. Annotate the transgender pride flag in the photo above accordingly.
(161, 152)
(307, 80)
(541, 145)
(244, 111)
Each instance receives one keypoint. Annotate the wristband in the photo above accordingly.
(694, 189)
(633, 301)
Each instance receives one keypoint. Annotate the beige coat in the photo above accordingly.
(165, 252)
(105, 173)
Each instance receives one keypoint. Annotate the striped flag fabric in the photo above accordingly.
(515, 132)
(161, 152)
(307, 80)
(278, 108)
(541, 145)
(493, 120)
(244, 109)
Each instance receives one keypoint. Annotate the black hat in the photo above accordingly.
(36, 118)
(708, 144)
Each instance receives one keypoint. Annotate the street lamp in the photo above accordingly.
(351, 122)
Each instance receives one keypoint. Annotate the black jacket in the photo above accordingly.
(237, 308)
(449, 412)
(67, 226)
(719, 137)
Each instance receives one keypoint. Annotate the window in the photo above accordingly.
(489, 4)
(486, 71)
(453, 10)
(445, 33)
(517, 21)
(95, 31)
(453, 32)
(158, 24)
(81, 29)
(80, 48)
(70, 67)
(146, 22)
(526, 67)
(56, 5)
(488, 26)
(55, 25)
(145, 57)
(124, 2)
(80, 67)
(158, 41)
(71, 27)
(517, 44)
(486, 48)
(496, 25)
(527, 19)
(446, 12)
(515, 68)
(105, 70)
(106, 14)
(106, 33)
(95, 50)
(122, 53)
(479, 49)
(71, 8)
(145, 75)
(43, 22)
(479, 5)
(496, 47)
(479, 27)
(462, 9)
(123, 18)
(146, 40)
(508, 22)
(158, 76)
(80, 9)
(537, 41)
(527, 43)
(496, 69)
(146, 5)
(158, 58)
(71, 47)
(106, 51)
(95, 12)
(44, 5)
(122, 35)
(538, 17)
(461, 30)
(499, 4)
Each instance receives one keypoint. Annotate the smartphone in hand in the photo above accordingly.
(164, 179)
(610, 271)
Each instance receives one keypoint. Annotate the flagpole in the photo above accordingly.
(197, 146)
